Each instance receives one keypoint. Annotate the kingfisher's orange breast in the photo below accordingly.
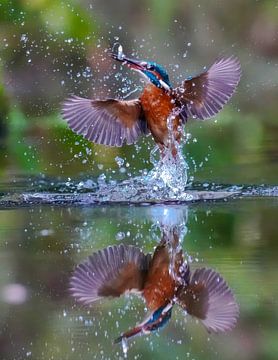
(160, 286)
(157, 106)
(159, 290)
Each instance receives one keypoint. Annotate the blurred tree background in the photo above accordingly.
(50, 49)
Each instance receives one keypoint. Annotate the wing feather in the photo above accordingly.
(109, 272)
(109, 122)
(209, 298)
(205, 95)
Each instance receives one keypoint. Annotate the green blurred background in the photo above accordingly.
(50, 49)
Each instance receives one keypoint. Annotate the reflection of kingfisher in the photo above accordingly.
(112, 122)
(162, 280)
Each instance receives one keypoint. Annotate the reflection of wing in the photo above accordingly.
(209, 298)
(205, 95)
(108, 122)
(109, 272)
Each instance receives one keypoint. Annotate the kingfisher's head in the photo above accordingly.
(153, 71)
(159, 318)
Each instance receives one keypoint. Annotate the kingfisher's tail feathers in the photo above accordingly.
(109, 272)
(108, 122)
(203, 96)
(209, 298)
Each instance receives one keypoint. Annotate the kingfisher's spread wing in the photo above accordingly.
(107, 122)
(109, 272)
(209, 298)
(205, 95)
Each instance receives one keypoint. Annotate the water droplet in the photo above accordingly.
(24, 38)
(46, 232)
(120, 162)
(120, 236)
(125, 347)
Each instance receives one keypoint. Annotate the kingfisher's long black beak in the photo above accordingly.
(132, 63)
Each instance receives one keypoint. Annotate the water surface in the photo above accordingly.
(41, 245)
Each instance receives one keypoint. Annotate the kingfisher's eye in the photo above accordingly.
(150, 67)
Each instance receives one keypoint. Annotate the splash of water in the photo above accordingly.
(125, 347)
(172, 222)
(166, 181)
(170, 171)
(169, 174)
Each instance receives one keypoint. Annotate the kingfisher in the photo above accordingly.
(160, 108)
(162, 279)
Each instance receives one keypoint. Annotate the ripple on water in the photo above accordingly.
(140, 190)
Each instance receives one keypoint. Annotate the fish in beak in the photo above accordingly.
(131, 63)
